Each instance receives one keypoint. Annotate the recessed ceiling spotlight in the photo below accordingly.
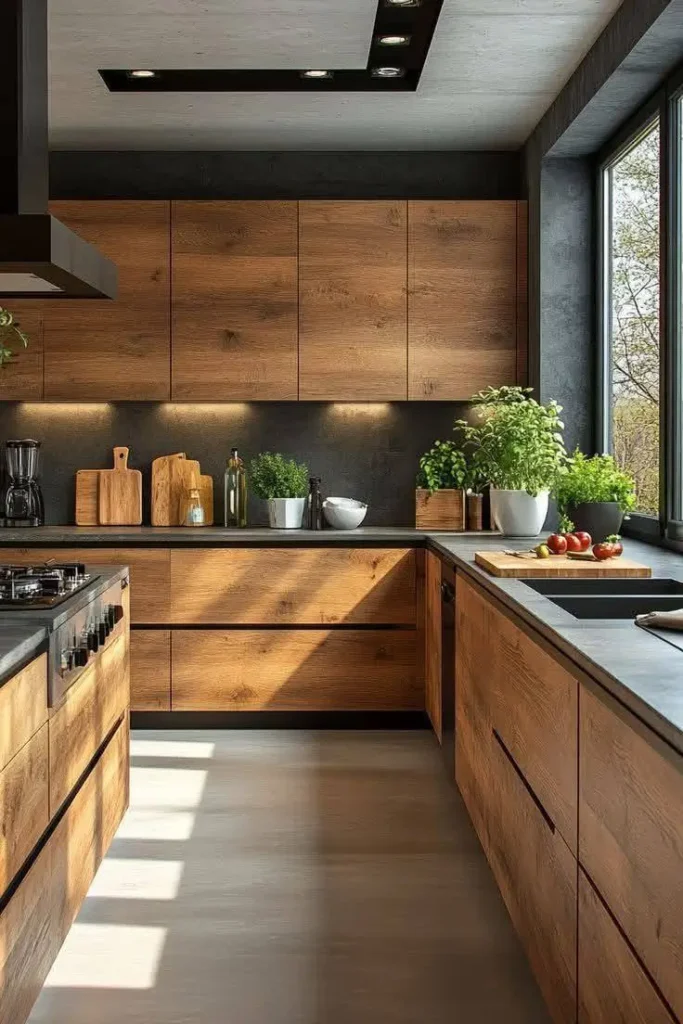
(393, 40)
(316, 74)
(402, 3)
(388, 72)
(142, 73)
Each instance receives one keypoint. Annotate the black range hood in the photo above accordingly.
(39, 256)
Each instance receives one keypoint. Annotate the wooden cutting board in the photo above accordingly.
(499, 564)
(206, 494)
(168, 476)
(88, 497)
(120, 498)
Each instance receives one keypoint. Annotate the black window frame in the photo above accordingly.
(666, 106)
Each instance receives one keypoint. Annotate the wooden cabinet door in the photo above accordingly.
(433, 640)
(23, 707)
(613, 987)
(21, 380)
(631, 834)
(24, 805)
(462, 297)
(235, 303)
(352, 301)
(104, 350)
(150, 670)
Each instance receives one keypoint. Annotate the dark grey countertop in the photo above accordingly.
(214, 536)
(20, 642)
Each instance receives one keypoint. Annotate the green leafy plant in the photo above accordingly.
(516, 443)
(10, 331)
(442, 467)
(273, 476)
(593, 479)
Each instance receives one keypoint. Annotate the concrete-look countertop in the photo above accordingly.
(20, 642)
(642, 671)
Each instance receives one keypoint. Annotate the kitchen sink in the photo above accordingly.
(610, 598)
(622, 607)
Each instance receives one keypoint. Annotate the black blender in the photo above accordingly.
(23, 500)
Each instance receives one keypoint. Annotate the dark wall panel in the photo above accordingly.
(254, 175)
(361, 451)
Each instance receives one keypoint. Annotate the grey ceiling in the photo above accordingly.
(494, 68)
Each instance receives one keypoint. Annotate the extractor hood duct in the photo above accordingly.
(39, 256)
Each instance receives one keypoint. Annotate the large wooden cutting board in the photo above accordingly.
(168, 476)
(499, 564)
(87, 497)
(120, 500)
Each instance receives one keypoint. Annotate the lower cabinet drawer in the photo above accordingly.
(23, 707)
(295, 670)
(36, 920)
(150, 670)
(24, 805)
(612, 984)
(81, 722)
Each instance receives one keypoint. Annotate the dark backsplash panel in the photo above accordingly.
(369, 452)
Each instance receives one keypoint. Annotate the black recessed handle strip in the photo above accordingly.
(546, 817)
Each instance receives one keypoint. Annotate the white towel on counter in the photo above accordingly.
(662, 620)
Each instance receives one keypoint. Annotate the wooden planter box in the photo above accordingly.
(442, 510)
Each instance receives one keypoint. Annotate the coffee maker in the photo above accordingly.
(23, 500)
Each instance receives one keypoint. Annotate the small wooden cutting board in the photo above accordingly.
(498, 563)
(87, 497)
(120, 500)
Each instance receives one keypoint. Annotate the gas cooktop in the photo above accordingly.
(41, 586)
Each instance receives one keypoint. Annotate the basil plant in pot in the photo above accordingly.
(439, 496)
(10, 332)
(283, 483)
(517, 445)
(594, 495)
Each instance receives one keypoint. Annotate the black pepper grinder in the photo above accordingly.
(315, 504)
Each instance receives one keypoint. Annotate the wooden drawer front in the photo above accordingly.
(293, 587)
(535, 711)
(81, 723)
(612, 984)
(24, 810)
(631, 834)
(150, 573)
(433, 640)
(295, 670)
(23, 708)
(150, 670)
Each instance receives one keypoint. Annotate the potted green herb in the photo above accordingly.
(10, 331)
(475, 482)
(594, 495)
(283, 483)
(516, 444)
(439, 495)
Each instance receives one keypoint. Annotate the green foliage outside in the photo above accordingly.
(272, 476)
(442, 467)
(517, 442)
(10, 332)
(635, 318)
(593, 479)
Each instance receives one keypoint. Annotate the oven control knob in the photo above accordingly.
(103, 630)
(111, 616)
(66, 660)
(81, 655)
(93, 640)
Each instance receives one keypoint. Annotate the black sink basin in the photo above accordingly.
(625, 606)
(605, 587)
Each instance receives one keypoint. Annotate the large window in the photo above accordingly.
(633, 280)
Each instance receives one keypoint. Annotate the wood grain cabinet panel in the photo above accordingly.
(150, 670)
(631, 834)
(613, 987)
(462, 297)
(433, 640)
(21, 380)
(115, 350)
(81, 723)
(295, 670)
(235, 301)
(352, 301)
(24, 811)
(285, 586)
(150, 573)
(23, 707)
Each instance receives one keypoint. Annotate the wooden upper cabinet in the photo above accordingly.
(352, 295)
(462, 297)
(21, 380)
(235, 305)
(114, 350)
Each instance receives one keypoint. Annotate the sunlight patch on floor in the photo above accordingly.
(132, 879)
(173, 788)
(172, 748)
(108, 956)
(165, 825)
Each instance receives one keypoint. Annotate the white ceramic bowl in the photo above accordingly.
(344, 513)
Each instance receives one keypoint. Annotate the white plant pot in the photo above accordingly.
(518, 514)
(286, 513)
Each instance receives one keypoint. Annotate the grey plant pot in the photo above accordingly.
(599, 518)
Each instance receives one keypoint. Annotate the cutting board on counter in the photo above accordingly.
(120, 493)
(206, 495)
(87, 497)
(498, 563)
(172, 477)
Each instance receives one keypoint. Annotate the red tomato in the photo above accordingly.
(585, 538)
(603, 551)
(557, 542)
(617, 546)
(573, 543)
